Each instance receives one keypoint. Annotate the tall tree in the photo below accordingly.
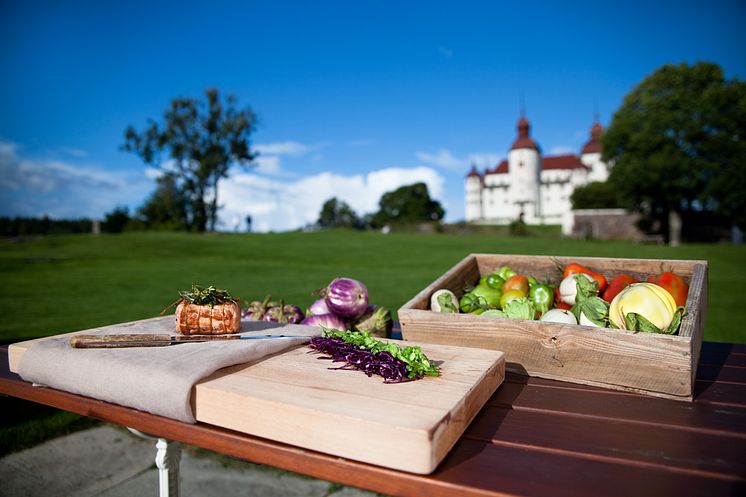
(167, 207)
(203, 139)
(337, 214)
(408, 204)
(677, 145)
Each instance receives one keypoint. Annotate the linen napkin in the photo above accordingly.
(158, 380)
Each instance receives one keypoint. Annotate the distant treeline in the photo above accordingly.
(20, 226)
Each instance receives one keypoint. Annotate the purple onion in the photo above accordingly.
(347, 298)
(326, 320)
(318, 307)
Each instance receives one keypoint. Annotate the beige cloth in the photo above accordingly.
(158, 380)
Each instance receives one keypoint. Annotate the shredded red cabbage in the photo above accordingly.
(382, 363)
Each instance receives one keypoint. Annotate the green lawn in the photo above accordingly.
(56, 284)
(63, 283)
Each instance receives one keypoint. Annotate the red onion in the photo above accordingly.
(347, 298)
(327, 321)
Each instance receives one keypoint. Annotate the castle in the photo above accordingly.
(529, 186)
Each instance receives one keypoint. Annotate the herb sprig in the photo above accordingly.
(417, 363)
(201, 295)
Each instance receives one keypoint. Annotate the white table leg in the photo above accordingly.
(167, 460)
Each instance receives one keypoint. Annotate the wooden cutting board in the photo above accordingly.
(294, 398)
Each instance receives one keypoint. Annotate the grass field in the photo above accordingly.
(56, 284)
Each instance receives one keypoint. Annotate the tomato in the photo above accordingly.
(490, 295)
(516, 282)
(617, 285)
(674, 284)
(495, 281)
(578, 269)
(511, 295)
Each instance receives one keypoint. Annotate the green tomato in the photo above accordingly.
(494, 280)
(482, 280)
(470, 303)
(505, 272)
(531, 281)
(491, 295)
(542, 296)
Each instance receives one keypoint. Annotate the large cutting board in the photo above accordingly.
(294, 398)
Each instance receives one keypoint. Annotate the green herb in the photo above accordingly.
(417, 362)
(210, 295)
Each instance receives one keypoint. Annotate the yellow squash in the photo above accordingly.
(646, 299)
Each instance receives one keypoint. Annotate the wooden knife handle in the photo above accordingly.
(115, 341)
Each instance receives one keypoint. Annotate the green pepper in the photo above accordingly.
(542, 296)
(505, 272)
(494, 280)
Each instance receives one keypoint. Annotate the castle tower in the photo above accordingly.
(473, 194)
(524, 169)
(591, 155)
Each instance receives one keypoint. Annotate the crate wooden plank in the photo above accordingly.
(654, 364)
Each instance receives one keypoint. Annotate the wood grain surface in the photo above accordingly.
(535, 437)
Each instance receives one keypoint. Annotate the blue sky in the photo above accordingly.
(354, 98)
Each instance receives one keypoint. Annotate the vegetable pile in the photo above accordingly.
(583, 297)
(344, 305)
(359, 351)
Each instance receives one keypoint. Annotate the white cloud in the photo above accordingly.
(485, 159)
(561, 150)
(280, 205)
(34, 187)
(282, 148)
(75, 152)
(442, 158)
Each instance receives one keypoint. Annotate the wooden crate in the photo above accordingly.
(654, 364)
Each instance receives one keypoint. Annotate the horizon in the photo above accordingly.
(353, 100)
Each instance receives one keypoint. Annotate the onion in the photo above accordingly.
(347, 298)
(326, 321)
(318, 307)
(559, 316)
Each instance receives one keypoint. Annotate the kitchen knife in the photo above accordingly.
(115, 341)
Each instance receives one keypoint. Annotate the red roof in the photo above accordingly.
(501, 168)
(594, 144)
(524, 140)
(562, 162)
(474, 172)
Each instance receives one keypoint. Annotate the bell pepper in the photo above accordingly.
(578, 269)
(673, 284)
(617, 285)
(542, 296)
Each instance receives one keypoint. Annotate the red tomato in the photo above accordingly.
(617, 285)
(674, 284)
(578, 269)
(558, 304)
(516, 282)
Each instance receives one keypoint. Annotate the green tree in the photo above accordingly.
(337, 214)
(408, 204)
(167, 207)
(203, 139)
(596, 195)
(677, 145)
(116, 220)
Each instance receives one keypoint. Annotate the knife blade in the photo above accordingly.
(116, 341)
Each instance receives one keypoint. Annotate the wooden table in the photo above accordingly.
(534, 437)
